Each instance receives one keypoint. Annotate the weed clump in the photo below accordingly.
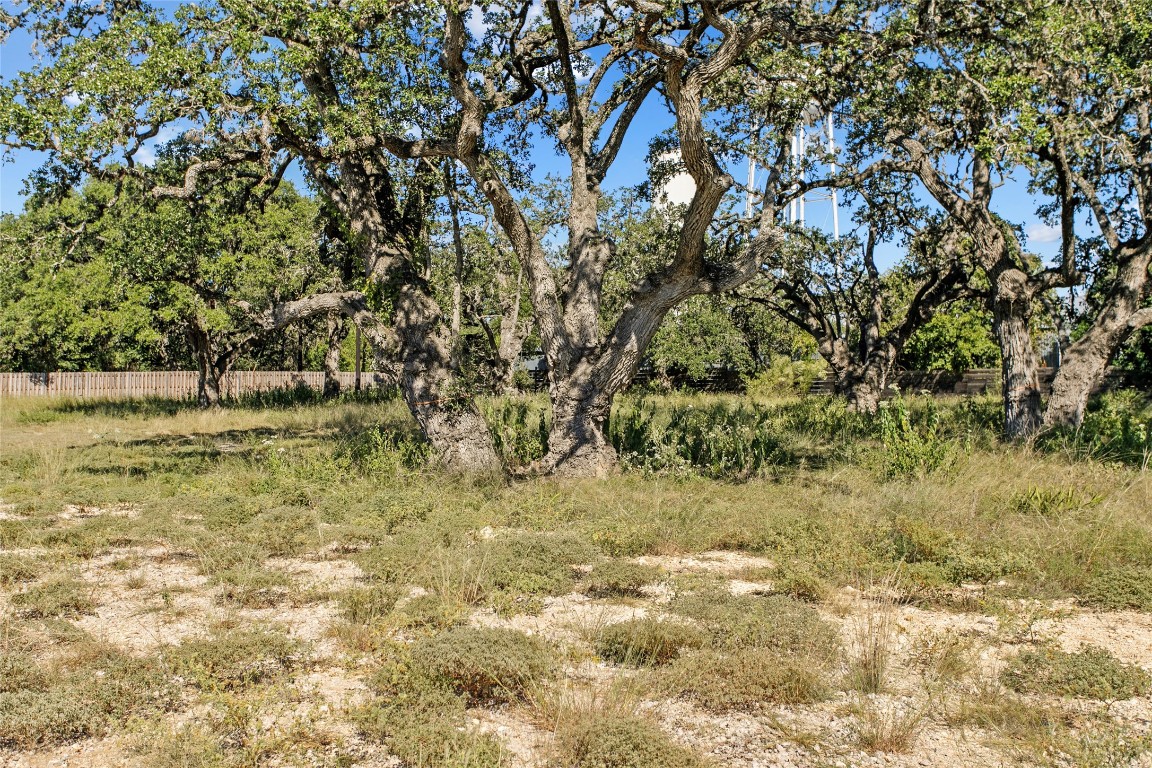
(18, 570)
(101, 689)
(58, 598)
(234, 660)
(533, 563)
(647, 641)
(1119, 589)
(620, 578)
(803, 585)
(253, 587)
(619, 741)
(775, 622)
(432, 611)
(483, 664)
(421, 719)
(739, 680)
(1092, 673)
(367, 605)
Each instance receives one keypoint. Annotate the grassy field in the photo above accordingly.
(764, 584)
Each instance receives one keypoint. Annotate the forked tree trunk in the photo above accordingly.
(578, 443)
(1019, 375)
(447, 415)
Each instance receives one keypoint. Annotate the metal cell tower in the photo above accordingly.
(813, 120)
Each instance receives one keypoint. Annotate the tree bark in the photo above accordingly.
(1084, 361)
(335, 337)
(578, 444)
(1011, 302)
(447, 416)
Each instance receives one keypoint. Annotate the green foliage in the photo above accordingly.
(101, 689)
(647, 641)
(483, 664)
(1120, 589)
(1091, 673)
(422, 722)
(613, 740)
(1115, 428)
(909, 450)
(955, 339)
(775, 622)
(235, 659)
(64, 597)
(15, 569)
(367, 605)
(432, 611)
(721, 681)
(784, 377)
(620, 578)
(719, 441)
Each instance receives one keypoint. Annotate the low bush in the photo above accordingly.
(1091, 673)
(483, 664)
(775, 622)
(367, 605)
(233, 660)
(802, 585)
(647, 641)
(619, 741)
(101, 689)
(1119, 589)
(420, 718)
(620, 578)
(432, 611)
(721, 681)
(253, 587)
(61, 597)
(18, 570)
(18, 672)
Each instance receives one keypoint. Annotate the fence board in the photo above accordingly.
(173, 385)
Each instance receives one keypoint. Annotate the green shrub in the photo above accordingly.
(620, 578)
(483, 664)
(721, 681)
(101, 690)
(283, 532)
(619, 741)
(432, 611)
(423, 725)
(647, 641)
(911, 451)
(802, 585)
(367, 605)
(18, 671)
(532, 563)
(774, 622)
(253, 587)
(785, 377)
(62, 597)
(18, 570)
(1118, 589)
(233, 660)
(1092, 673)
(1050, 502)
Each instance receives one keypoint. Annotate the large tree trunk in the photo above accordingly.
(335, 338)
(1083, 363)
(578, 444)
(1011, 315)
(447, 416)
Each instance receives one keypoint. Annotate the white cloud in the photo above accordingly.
(73, 99)
(1042, 233)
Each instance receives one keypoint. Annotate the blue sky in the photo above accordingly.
(1012, 200)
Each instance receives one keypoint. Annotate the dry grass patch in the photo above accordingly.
(620, 578)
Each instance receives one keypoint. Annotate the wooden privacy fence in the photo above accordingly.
(174, 385)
